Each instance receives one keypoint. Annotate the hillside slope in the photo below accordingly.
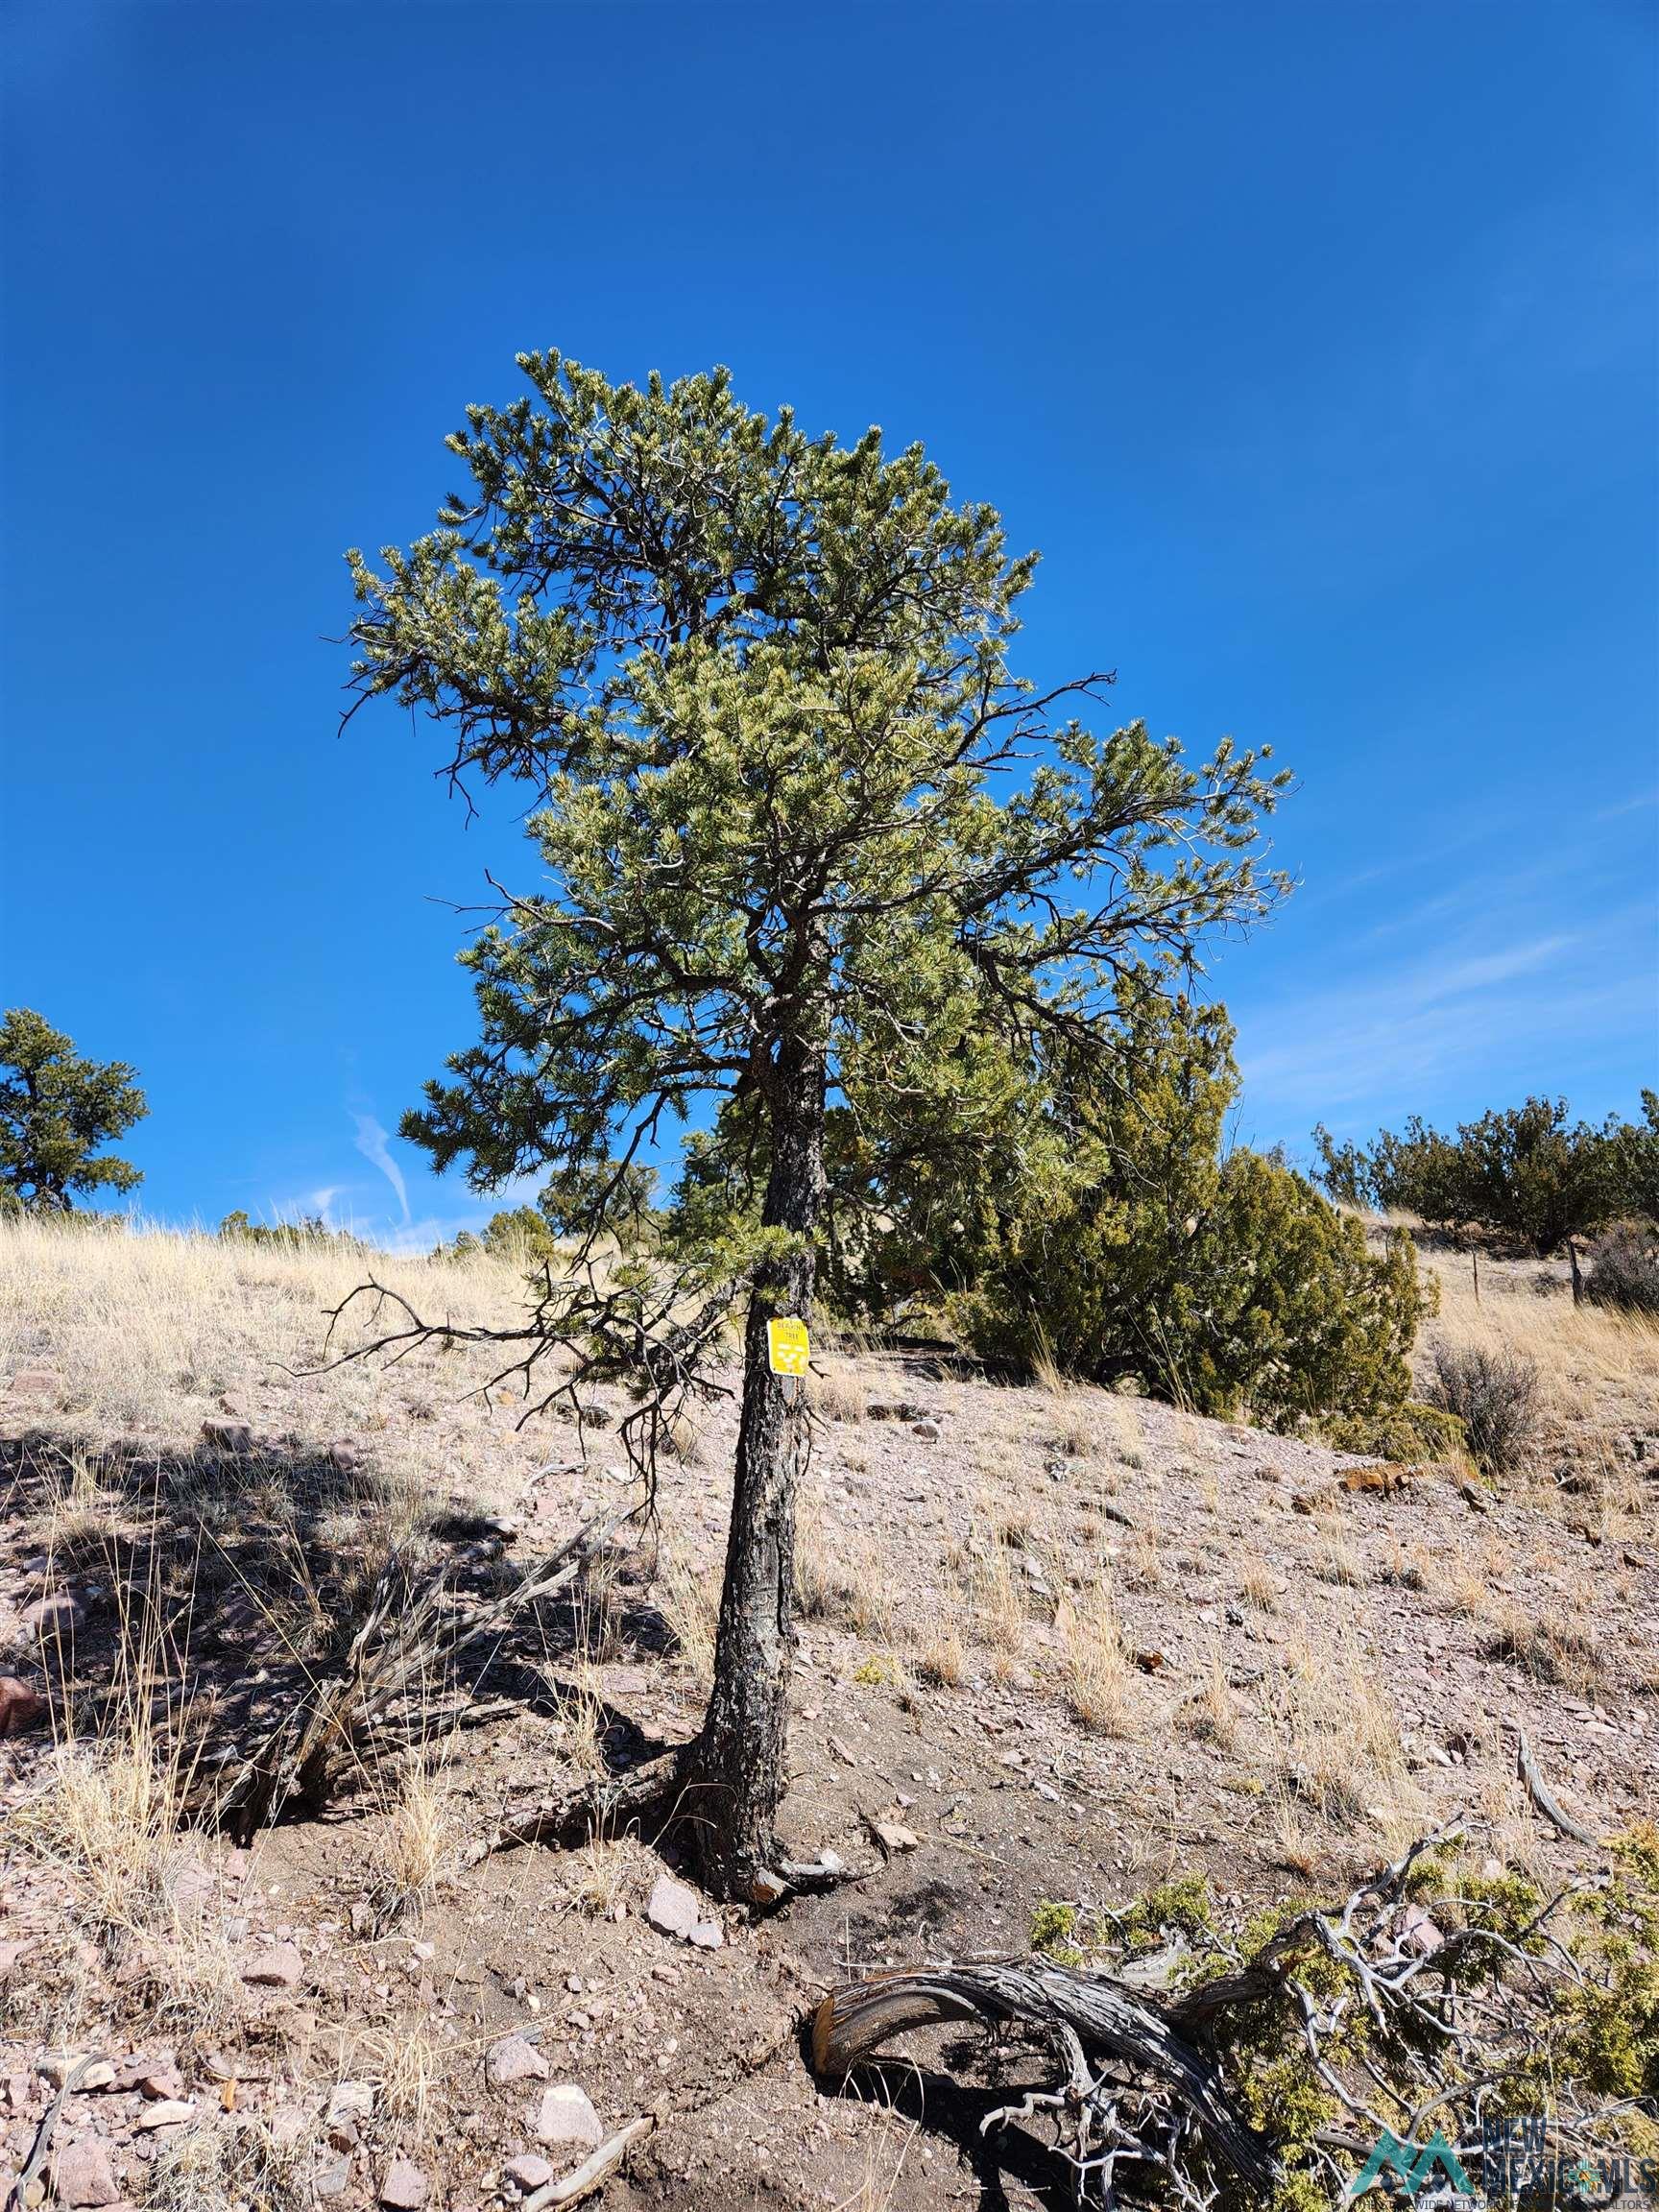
(1069, 1642)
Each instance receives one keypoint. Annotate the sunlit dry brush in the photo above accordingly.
(1098, 1673)
(148, 1327)
(1598, 1381)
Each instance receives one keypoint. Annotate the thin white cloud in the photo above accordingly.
(373, 1144)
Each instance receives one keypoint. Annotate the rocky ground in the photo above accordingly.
(1056, 1643)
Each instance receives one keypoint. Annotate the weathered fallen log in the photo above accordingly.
(1092, 2018)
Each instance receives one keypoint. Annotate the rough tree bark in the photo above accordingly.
(734, 1777)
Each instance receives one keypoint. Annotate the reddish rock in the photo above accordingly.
(36, 1382)
(227, 1436)
(406, 2187)
(81, 2175)
(528, 2171)
(514, 2059)
(566, 2116)
(166, 2112)
(279, 1968)
(51, 1619)
(20, 1706)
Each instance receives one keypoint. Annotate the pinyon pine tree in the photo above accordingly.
(57, 1108)
(801, 833)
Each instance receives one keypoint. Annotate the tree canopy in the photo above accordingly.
(57, 1108)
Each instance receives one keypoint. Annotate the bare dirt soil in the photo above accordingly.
(1065, 1641)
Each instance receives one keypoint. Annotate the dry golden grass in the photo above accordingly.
(601, 1875)
(1548, 1642)
(1599, 1379)
(689, 1601)
(416, 1843)
(835, 1391)
(942, 1661)
(146, 1324)
(1338, 1739)
(226, 2164)
(1211, 1714)
(1098, 1667)
(404, 2061)
(1258, 1585)
(106, 1818)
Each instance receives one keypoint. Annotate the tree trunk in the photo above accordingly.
(734, 1777)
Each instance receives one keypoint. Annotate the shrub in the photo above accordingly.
(310, 1233)
(1230, 1286)
(1624, 1268)
(1282, 1312)
(1495, 1394)
(1407, 1434)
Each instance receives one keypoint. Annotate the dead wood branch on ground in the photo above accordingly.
(1154, 2084)
(409, 1636)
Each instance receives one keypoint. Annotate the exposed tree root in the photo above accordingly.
(1401, 2015)
(1086, 2019)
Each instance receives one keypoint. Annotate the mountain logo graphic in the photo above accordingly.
(1415, 2167)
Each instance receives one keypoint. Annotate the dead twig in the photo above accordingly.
(593, 2171)
(19, 2196)
(1527, 1767)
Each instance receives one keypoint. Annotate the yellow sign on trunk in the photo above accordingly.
(786, 1346)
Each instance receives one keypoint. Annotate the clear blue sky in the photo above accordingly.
(1314, 346)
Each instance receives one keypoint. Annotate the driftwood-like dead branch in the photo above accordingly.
(1538, 1789)
(571, 2188)
(346, 1718)
(651, 1328)
(1149, 2083)
(1091, 2019)
(26, 2189)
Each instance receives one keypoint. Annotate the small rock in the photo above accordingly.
(673, 1908)
(1418, 1932)
(168, 2112)
(10, 1954)
(81, 2175)
(279, 1968)
(927, 1429)
(20, 1706)
(344, 1457)
(406, 2187)
(50, 1619)
(512, 2059)
(35, 1382)
(194, 1888)
(528, 2171)
(892, 1838)
(58, 2065)
(331, 2177)
(227, 1436)
(290, 2126)
(566, 2116)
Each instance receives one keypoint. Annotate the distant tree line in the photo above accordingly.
(1528, 1172)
